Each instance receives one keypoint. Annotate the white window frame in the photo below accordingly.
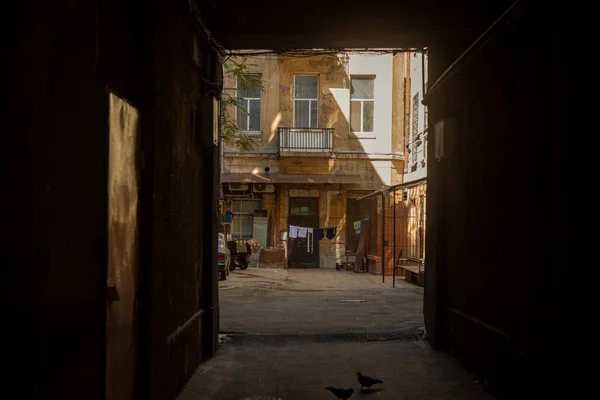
(238, 212)
(309, 101)
(362, 106)
(247, 103)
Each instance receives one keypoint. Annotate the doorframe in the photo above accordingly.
(290, 215)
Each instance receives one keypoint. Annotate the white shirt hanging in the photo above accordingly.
(302, 232)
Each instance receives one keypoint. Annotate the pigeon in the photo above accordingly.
(366, 381)
(341, 394)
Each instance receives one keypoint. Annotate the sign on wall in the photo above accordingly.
(439, 139)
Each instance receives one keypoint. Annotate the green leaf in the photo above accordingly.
(237, 68)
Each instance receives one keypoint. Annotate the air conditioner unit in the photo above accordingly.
(238, 187)
(263, 188)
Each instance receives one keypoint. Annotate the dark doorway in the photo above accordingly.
(304, 252)
(352, 215)
(357, 210)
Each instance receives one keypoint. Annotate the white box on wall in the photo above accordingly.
(444, 132)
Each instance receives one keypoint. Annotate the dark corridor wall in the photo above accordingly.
(56, 158)
(63, 59)
(497, 234)
(182, 307)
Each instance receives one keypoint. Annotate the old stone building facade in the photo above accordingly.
(330, 128)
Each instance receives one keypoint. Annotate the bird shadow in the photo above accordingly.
(368, 392)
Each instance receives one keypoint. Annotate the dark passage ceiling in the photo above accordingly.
(336, 24)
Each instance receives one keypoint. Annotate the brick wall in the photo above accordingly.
(399, 224)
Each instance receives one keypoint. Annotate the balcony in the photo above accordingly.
(307, 141)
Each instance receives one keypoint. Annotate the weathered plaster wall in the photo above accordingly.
(332, 207)
(332, 73)
(398, 118)
(268, 68)
(334, 108)
(368, 155)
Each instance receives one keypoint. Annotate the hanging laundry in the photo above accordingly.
(319, 233)
(293, 234)
(310, 243)
(302, 232)
(330, 232)
(358, 225)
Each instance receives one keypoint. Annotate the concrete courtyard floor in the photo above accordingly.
(289, 333)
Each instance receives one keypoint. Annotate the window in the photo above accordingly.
(306, 101)
(248, 116)
(242, 226)
(362, 104)
(306, 206)
(415, 126)
(425, 130)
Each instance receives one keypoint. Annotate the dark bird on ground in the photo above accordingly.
(341, 394)
(366, 381)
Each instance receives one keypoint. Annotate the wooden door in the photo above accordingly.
(304, 212)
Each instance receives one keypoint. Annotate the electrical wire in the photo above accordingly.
(303, 53)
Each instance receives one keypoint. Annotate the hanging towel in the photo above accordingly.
(319, 233)
(309, 240)
(357, 226)
(293, 232)
(302, 232)
(330, 232)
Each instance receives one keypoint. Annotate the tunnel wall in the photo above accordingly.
(184, 313)
(57, 151)
(63, 60)
(496, 234)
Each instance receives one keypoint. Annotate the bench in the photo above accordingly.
(412, 268)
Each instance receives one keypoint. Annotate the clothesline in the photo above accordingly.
(319, 233)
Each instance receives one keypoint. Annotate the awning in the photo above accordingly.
(287, 178)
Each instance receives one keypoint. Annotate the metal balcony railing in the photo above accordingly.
(305, 140)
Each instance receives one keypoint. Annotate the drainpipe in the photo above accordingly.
(221, 146)
(394, 246)
(221, 159)
(383, 237)
(423, 73)
(404, 121)
(407, 107)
